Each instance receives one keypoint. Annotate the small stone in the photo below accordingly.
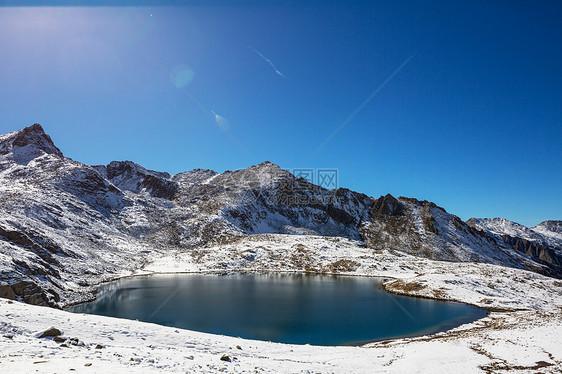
(225, 358)
(50, 332)
(238, 347)
(99, 346)
(88, 364)
(9, 336)
(59, 339)
(542, 364)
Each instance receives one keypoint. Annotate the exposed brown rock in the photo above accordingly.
(52, 331)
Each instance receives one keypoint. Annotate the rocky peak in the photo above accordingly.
(194, 176)
(266, 166)
(387, 205)
(127, 175)
(33, 135)
(553, 226)
(117, 168)
(500, 226)
(258, 176)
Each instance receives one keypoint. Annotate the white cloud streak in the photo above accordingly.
(270, 63)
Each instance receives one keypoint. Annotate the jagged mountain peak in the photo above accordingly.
(544, 233)
(33, 136)
(394, 206)
(502, 226)
(387, 205)
(266, 174)
(505, 226)
(116, 168)
(195, 176)
(130, 176)
(552, 225)
(266, 166)
(497, 222)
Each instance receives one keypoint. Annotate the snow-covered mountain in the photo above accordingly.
(63, 222)
(543, 241)
(551, 231)
(548, 233)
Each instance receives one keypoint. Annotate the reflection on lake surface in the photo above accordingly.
(287, 308)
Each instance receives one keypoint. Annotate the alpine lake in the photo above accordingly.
(279, 307)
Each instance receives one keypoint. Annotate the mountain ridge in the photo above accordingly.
(61, 218)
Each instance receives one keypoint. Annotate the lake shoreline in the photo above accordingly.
(227, 293)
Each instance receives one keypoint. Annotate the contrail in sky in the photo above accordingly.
(270, 63)
(376, 91)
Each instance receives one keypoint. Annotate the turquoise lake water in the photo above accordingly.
(286, 308)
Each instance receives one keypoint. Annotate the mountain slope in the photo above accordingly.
(63, 222)
(542, 242)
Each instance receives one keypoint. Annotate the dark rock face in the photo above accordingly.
(16, 237)
(387, 205)
(29, 292)
(430, 224)
(7, 292)
(385, 223)
(157, 187)
(534, 249)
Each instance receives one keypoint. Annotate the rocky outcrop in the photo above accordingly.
(387, 206)
(29, 292)
(534, 249)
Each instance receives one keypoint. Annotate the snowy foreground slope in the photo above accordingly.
(66, 226)
(522, 335)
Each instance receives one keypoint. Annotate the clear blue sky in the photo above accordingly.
(473, 121)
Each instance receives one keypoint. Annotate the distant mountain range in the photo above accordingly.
(60, 218)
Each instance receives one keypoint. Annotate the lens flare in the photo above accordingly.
(183, 75)
(222, 121)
